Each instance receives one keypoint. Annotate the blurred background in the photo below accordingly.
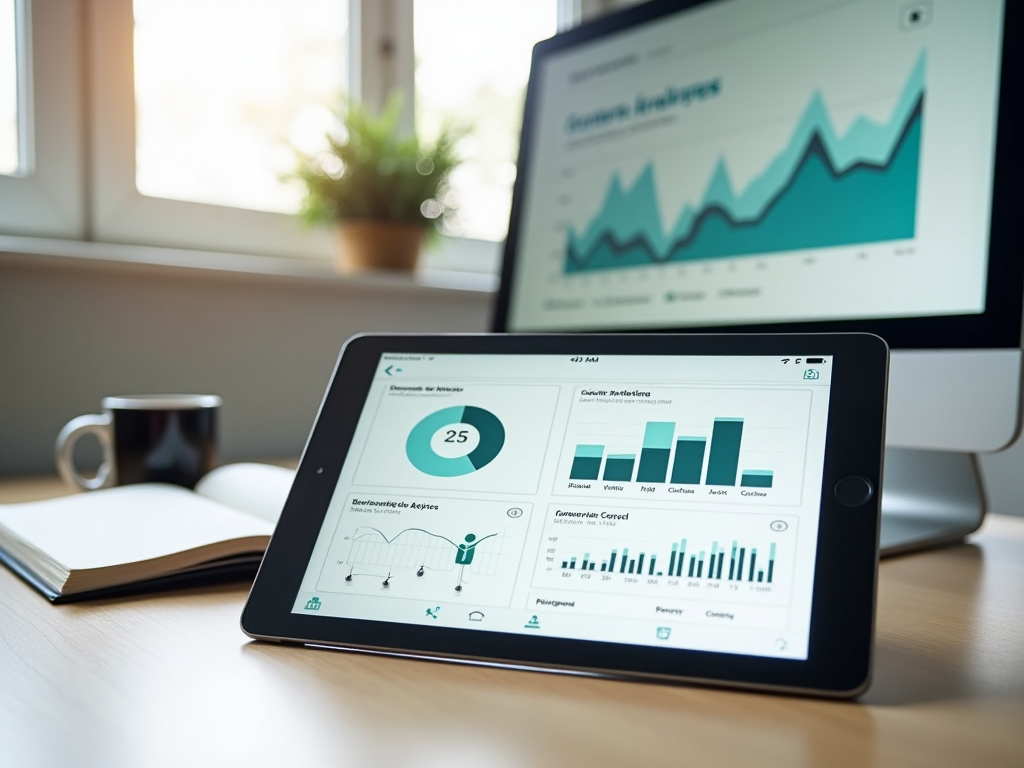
(148, 241)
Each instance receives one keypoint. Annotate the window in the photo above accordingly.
(173, 123)
(42, 135)
(220, 103)
(472, 65)
(10, 154)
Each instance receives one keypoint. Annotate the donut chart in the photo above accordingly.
(426, 460)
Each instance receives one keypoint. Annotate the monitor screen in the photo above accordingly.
(654, 501)
(744, 163)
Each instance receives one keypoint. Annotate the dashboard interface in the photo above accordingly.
(646, 500)
(744, 162)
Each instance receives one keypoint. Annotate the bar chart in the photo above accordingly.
(723, 458)
(688, 444)
(682, 561)
(658, 552)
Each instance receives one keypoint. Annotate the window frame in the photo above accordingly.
(46, 197)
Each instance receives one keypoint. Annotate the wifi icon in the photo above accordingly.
(785, 360)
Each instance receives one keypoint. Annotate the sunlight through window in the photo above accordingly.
(225, 89)
(472, 64)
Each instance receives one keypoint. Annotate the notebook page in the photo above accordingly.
(127, 524)
(259, 489)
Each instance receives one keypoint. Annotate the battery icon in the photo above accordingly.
(813, 360)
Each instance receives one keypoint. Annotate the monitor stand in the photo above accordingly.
(929, 498)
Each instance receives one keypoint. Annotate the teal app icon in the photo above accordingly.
(810, 373)
(313, 604)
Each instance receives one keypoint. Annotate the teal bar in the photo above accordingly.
(586, 463)
(658, 434)
(619, 467)
(724, 456)
(654, 456)
(689, 460)
(756, 478)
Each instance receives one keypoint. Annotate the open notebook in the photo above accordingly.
(145, 536)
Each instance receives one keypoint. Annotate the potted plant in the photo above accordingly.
(384, 192)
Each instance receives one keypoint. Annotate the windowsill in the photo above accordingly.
(437, 276)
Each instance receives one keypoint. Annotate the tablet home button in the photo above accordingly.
(854, 491)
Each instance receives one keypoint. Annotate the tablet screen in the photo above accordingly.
(647, 500)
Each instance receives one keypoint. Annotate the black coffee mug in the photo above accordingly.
(145, 439)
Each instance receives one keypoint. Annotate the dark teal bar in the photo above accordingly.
(617, 469)
(585, 468)
(689, 461)
(724, 455)
(756, 479)
(653, 465)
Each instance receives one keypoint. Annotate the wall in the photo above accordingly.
(267, 345)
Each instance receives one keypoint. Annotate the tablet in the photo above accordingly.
(676, 507)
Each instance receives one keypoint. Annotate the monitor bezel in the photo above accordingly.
(998, 327)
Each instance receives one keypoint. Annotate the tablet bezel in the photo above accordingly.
(843, 603)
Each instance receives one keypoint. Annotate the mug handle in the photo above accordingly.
(96, 424)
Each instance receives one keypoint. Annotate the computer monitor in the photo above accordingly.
(794, 166)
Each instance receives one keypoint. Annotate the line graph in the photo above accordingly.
(444, 549)
(372, 552)
(821, 190)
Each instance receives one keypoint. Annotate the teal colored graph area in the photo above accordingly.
(821, 191)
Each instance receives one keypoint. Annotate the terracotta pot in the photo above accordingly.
(364, 245)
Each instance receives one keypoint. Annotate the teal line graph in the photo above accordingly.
(822, 190)
(372, 553)
(421, 530)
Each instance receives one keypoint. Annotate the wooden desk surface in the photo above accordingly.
(171, 680)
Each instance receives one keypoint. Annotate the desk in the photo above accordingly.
(171, 680)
